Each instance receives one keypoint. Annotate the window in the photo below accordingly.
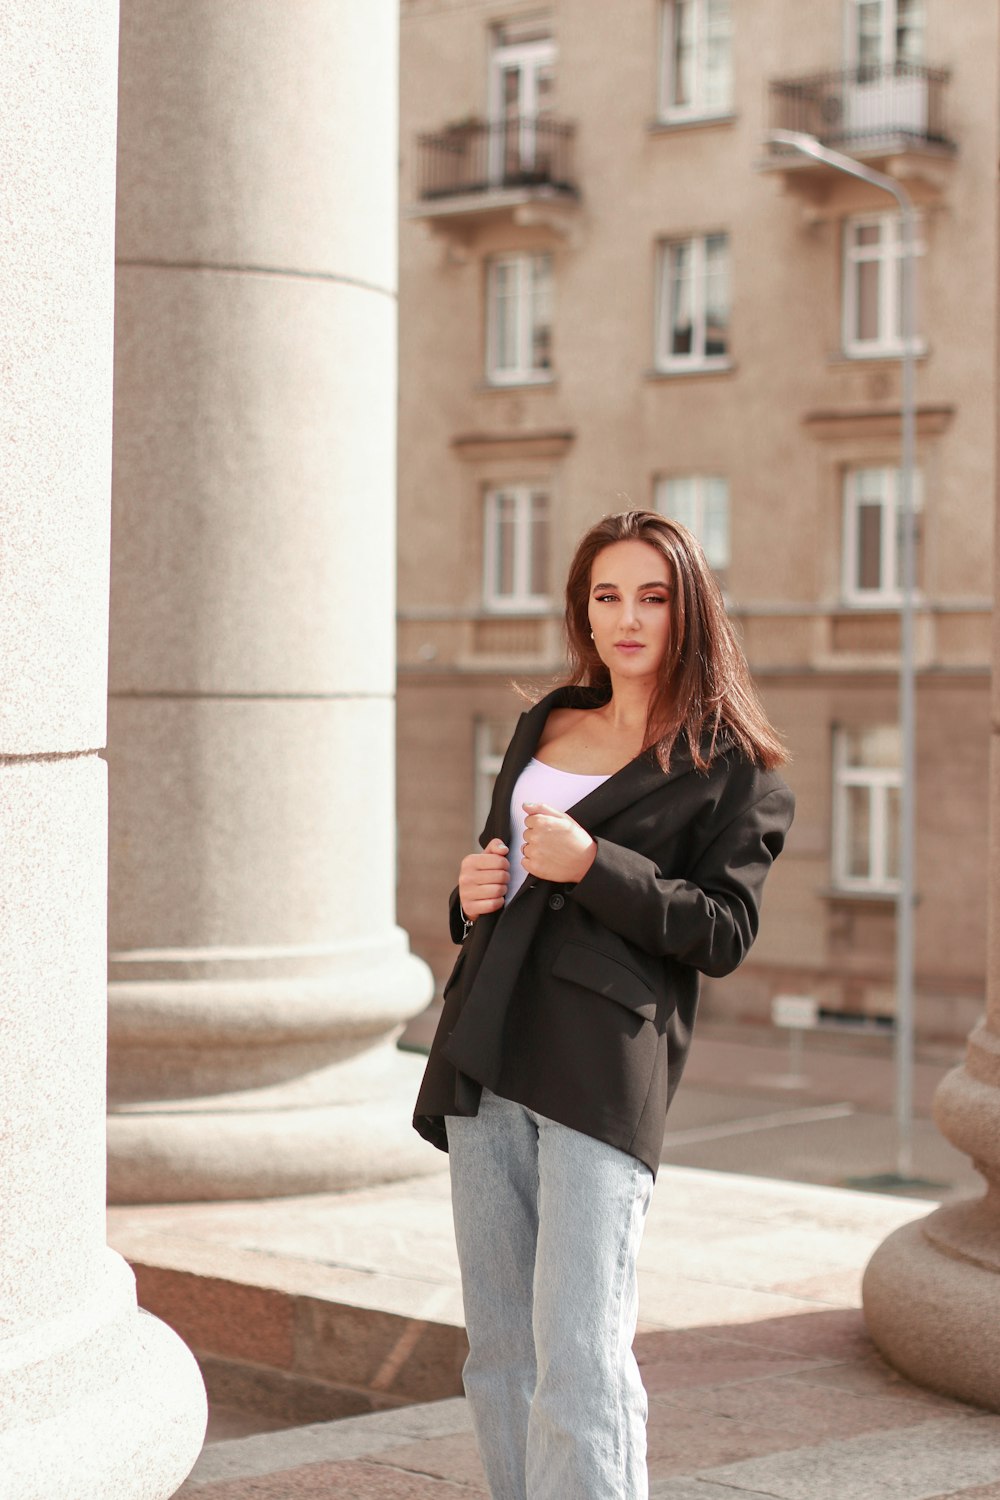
(516, 548)
(519, 335)
(491, 738)
(873, 285)
(866, 795)
(701, 503)
(522, 92)
(887, 92)
(696, 67)
(873, 535)
(884, 33)
(693, 304)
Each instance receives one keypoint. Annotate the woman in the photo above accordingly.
(634, 820)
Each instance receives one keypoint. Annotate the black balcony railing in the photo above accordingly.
(481, 156)
(864, 107)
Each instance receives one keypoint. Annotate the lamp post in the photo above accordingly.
(808, 145)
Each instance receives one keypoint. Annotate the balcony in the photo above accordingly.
(892, 114)
(520, 168)
(476, 640)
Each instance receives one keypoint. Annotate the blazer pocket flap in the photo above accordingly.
(595, 971)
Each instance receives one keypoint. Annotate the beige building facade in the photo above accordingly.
(615, 291)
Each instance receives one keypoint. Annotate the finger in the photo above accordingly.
(488, 894)
(496, 846)
(489, 862)
(480, 908)
(535, 808)
(484, 893)
(484, 903)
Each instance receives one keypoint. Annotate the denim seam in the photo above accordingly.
(623, 1258)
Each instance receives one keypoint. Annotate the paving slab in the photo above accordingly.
(763, 1382)
(917, 1463)
(673, 1488)
(329, 1442)
(756, 1388)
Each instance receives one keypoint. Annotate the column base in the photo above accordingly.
(105, 1404)
(226, 1149)
(226, 1080)
(930, 1294)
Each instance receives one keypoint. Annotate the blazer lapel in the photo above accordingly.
(627, 785)
(630, 784)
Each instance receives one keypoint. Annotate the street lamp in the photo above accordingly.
(808, 145)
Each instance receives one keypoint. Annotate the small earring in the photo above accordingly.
(591, 635)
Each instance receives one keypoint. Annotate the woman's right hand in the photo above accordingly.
(483, 880)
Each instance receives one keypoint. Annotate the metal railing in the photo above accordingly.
(861, 107)
(482, 156)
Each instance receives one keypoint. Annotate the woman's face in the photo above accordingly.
(630, 610)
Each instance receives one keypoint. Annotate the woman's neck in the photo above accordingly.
(627, 710)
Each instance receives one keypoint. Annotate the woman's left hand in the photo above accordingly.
(555, 847)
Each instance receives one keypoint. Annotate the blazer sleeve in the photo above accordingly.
(708, 920)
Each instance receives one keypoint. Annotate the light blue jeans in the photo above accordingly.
(548, 1224)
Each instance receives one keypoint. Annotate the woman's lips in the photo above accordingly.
(629, 646)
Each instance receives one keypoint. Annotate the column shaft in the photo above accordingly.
(258, 977)
(99, 1400)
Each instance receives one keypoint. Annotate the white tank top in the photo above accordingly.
(541, 783)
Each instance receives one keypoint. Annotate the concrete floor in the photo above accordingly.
(761, 1377)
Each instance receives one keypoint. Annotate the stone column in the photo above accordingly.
(257, 976)
(932, 1290)
(97, 1400)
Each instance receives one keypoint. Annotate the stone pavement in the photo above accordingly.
(783, 1425)
(761, 1378)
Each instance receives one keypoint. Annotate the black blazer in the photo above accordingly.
(578, 1001)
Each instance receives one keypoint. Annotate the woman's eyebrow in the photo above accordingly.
(657, 584)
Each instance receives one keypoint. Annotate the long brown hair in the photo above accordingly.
(705, 694)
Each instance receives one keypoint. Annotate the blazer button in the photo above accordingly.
(557, 902)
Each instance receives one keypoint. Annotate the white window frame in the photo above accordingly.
(520, 600)
(666, 504)
(888, 253)
(879, 782)
(523, 372)
(665, 359)
(888, 50)
(698, 108)
(530, 59)
(888, 594)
